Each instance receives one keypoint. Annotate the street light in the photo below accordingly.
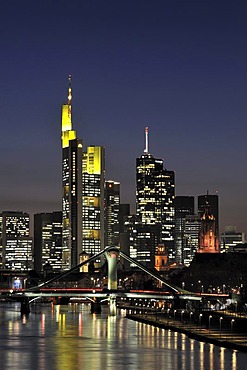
(209, 319)
(221, 318)
(191, 313)
(182, 312)
(175, 313)
(168, 310)
(232, 322)
(92, 281)
(200, 319)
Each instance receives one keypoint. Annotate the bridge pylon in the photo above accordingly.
(25, 308)
(112, 255)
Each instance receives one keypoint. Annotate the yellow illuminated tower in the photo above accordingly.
(72, 188)
(93, 179)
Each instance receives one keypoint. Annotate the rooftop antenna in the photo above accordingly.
(146, 136)
(69, 91)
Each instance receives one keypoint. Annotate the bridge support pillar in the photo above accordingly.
(112, 305)
(60, 300)
(95, 306)
(25, 309)
(112, 258)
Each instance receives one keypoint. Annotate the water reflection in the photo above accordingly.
(211, 356)
(234, 360)
(202, 344)
(70, 338)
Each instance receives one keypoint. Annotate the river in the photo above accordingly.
(71, 338)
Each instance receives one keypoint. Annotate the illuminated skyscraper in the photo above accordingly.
(192, 228)
(16, 244)
(112, 204)
(48, 241)
(184, 205)
(93, 179)
(72, 188)
(155, 193)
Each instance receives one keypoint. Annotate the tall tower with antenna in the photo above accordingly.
(155, 193)
(71, 187)
(146, 140)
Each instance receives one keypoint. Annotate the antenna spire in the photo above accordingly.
(146, 137)
(69, 90)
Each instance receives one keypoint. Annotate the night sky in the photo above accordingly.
(179, 67)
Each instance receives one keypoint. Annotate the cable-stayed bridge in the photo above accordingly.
(97, 295)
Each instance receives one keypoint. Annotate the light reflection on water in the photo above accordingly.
(70, 338)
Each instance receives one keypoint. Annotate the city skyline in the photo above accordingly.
(178, 69)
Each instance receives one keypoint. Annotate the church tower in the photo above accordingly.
(161, 258)
(208, 237)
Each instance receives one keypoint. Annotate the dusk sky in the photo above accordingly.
(178, 67)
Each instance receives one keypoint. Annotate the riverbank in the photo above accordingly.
(223, 338)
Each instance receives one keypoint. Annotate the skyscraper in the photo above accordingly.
(112, 204)
(130, 228)
(15, 241)
(184, 205)
(93, 179)
(155, 193)
(48, 241)
(72, 188)
(124, 212)
(191, 233)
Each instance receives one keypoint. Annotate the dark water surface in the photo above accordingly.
(71, 338)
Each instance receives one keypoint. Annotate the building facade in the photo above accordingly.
(112, 205)
(130, 229)
(184, 206)
(93, 180)
(48, 241)
(230, 238)
(192, 229)
(15, 240)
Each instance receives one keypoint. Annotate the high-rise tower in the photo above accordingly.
(112, 206)
(155, 193)
(72, 188)
(93, 180)
(15, 242)
(184, 206)
(48, 241)
(192, 228)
